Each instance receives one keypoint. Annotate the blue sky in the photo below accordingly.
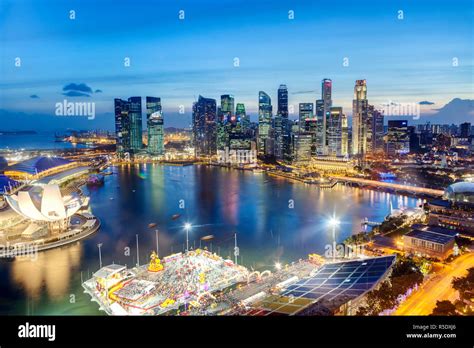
(407, 60)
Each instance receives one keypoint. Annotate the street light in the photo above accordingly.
(187, 227)
(100, 255)
(334, 222)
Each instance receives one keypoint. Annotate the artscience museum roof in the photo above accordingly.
(48, 206)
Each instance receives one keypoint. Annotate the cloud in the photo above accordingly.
(76, 94)
(77, 87)
(34, 96)
(98, 91)
(303, 92)
(426, 102)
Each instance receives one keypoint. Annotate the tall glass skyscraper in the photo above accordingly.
(226, 121)
(204, 127)
(283, 101)
(135, 116)
(227, 106)
(154, 118)
(264, 121)
(242, 116)
(122, 126)
(128, 124)
(359, 118)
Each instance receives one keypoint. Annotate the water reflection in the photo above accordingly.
(51, 270)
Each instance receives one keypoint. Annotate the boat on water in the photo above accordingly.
(258, 171)
(175, 216)
(208, 237)
(95, 180)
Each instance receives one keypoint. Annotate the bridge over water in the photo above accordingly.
(387, 185)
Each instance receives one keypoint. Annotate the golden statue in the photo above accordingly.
(155, 263)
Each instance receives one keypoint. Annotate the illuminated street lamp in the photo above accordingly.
(334, 222)
(187, 227)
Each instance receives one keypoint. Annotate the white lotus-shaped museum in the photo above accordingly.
(50, 206)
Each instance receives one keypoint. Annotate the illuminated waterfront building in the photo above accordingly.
(341, 165)
(39, 167)
(359, 118)
(301, 148)
(455, 210)
(155, 126)
(264, 121)
(398, 139)
(204, 127)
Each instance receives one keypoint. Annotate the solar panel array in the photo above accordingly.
(430, 236)
(351, 278)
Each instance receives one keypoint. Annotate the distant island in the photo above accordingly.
(20, 132)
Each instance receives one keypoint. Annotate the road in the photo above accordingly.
(438, 288)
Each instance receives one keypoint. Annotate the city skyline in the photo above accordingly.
(90, 68)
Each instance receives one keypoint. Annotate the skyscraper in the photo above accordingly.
(283, 101)
(128, 124)
(323, 107)
(308, 123)
(374, 130)
(398, 138)
(227, 106)
(359, 118)
(135, 116)
(154, 118)
(122, 126)
(242, 117)
(281, 121)
(264, 121)
(320, 124)
(225, 121)
(334, 125)
(301, 148)
(204, 127)
(305, 113)
(345, 136)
